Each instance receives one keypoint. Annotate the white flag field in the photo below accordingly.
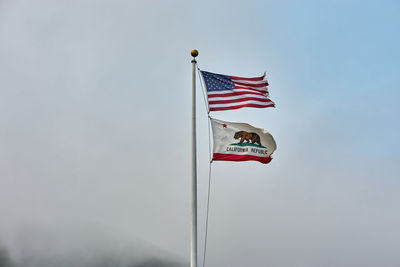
(241, 142)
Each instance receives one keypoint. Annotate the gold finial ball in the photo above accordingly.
(194, 53)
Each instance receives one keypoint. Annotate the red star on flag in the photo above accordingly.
(224, 125)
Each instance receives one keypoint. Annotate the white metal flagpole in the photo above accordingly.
(193, 226)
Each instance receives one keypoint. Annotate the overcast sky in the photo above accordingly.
(95, 115)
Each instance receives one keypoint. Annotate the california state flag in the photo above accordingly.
(241, 141)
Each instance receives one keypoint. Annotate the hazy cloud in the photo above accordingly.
(95, 133)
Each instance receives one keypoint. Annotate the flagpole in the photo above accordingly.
(193, 226)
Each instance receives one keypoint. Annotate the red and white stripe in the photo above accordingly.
(248, 92)
(230, 157)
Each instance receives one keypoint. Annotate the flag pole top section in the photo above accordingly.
(194, 53)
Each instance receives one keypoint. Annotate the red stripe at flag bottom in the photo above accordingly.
(241, 106)
(230, 157)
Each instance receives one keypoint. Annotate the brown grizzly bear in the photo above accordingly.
(252, 138)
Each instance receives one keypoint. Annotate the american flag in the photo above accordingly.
(231, 92)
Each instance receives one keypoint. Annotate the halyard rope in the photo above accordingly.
(203, 91)
(208, 209)
(209, 170)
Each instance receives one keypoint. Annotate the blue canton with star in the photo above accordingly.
(217, 82)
